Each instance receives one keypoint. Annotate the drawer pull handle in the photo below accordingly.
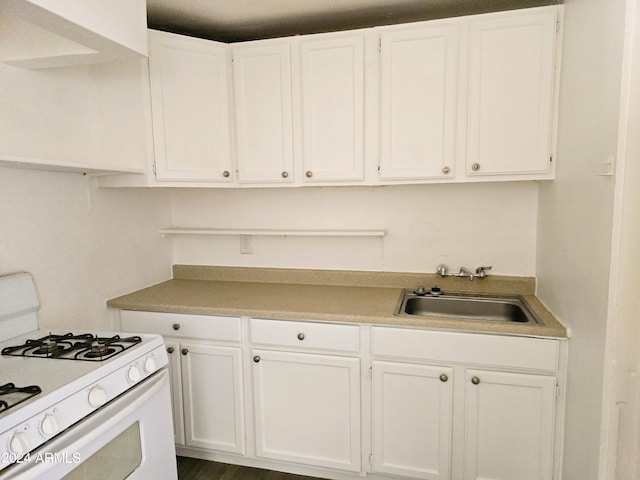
(301, 336)
(285, 174)
(256, 359)
(170, 349)
(185, 351)
(226, 174)
(475, 380)
(176, 326)
(443, 378)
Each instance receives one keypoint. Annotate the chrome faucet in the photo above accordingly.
(481, 272)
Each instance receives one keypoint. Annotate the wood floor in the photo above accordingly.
(193, 469)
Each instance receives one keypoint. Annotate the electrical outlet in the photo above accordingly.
(246, 244)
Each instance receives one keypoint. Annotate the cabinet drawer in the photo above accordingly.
(181, 325)
(323, 336)
(491, 350)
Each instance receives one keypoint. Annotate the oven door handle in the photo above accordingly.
(91, 433)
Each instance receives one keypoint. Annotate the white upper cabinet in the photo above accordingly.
(262, 88)
(53, 33)
(419, 72)
(511, 93)
(332, 87)
(466, 99)
(190, 107)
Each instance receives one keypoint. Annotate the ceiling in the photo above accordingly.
(240, 20)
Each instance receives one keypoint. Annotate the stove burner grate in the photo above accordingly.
(10, 395)
(73, 347)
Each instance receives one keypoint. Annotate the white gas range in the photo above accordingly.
(73, 403)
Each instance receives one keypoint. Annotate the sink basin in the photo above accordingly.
(467, 307)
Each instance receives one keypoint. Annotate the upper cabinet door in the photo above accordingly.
(262, 81)
(190, 108)
(418, 110)
(511, 86)
(332, 82)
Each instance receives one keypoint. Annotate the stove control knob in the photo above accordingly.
(149, 365)
(97, 396)
(19, 443)
(133, 374)
(49, 424)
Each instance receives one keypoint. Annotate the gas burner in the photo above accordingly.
(99, 349)
(10, 395)
(73, 347)
(48, 347)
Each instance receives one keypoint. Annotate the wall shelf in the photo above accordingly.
(13, 161)
(274, 232)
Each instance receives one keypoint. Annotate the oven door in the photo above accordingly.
(130, 437)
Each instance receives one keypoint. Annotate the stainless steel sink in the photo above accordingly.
(466, 307)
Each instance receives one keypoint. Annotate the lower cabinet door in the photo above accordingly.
(212, 397)
(307, 408)
(509, 426)
(412, 415)
(173, 350)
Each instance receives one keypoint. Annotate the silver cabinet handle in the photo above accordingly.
(185, 351)
(301, 336)
(475, 167)
(170, 349)
(475, 380)
(309, 174)
(226, 174)
(176, 326)
(444, 378)
(256, 359)
(446, 170)
(285, 174)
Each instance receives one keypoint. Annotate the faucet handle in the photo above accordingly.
(442, 270)
(481, 272)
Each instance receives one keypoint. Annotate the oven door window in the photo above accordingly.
(119, 458)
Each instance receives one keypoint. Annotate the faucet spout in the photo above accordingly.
(465, 273)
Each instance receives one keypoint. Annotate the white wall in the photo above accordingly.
(621, 437)
(575, 216)
(83, 245)
(473, 224)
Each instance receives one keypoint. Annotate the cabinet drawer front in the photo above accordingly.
(182, 325)
(494, 350)
(323, 336)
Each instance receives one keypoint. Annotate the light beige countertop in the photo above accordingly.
(325, 295)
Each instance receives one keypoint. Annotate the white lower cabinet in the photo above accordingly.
(437, 405)
(509, 425)
(307, 408)
(175, 375)
(212, 397)
(306, 392)
(206, 377)
(412, 419)
(450, 405)
(207, 395)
